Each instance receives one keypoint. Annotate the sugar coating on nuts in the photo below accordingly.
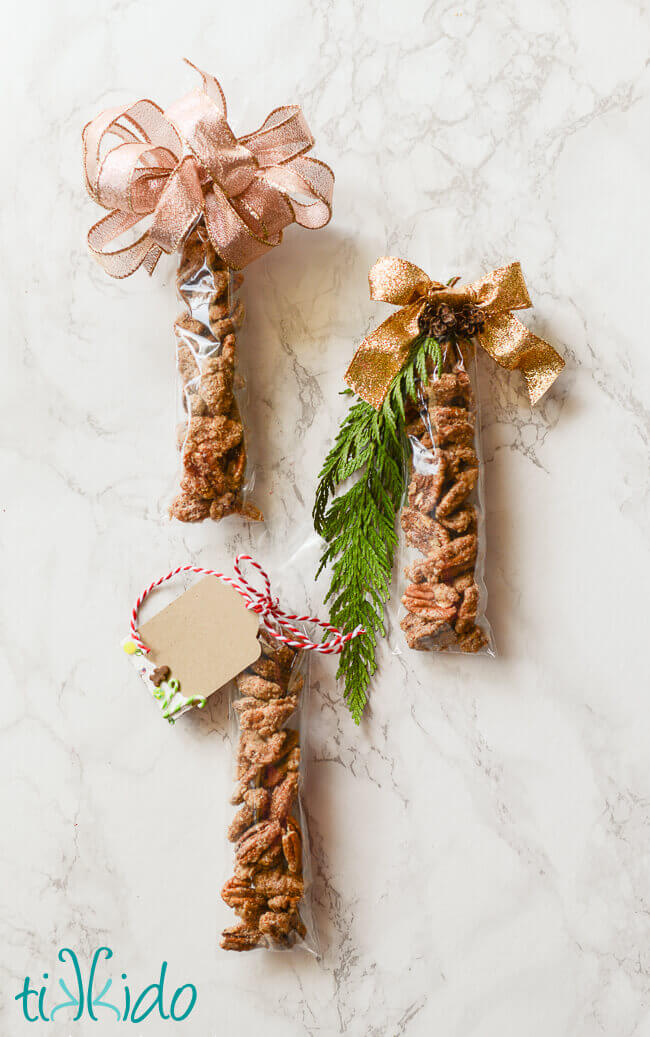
(439, 521)
(211, 439)
(267, 885)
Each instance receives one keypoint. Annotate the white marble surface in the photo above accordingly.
(482, 842)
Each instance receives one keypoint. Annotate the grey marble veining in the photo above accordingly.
(481, 843)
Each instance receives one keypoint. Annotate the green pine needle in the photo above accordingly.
(358, 526)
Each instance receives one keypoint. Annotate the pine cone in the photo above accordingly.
(437, 320)
(470, 320)
(440, 321)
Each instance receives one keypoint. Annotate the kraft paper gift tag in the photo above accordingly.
(197, 645)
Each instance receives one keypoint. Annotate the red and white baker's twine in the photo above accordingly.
(261, 602)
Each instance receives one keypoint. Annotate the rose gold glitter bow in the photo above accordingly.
(186, 163)
(384, 352)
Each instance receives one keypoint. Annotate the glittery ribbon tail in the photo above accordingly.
(381, 355)
(514, 346)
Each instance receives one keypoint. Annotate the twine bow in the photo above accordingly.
(185, 163)
(274, 618)
(384, 352)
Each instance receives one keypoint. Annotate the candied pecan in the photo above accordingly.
(188, 507)
(188, 329)
(243, 819)
(425, 490)
(194, 404)
(431, 600)
(241, 938)
(219, 306)
(268, 719)
(283, 655)
(472, 640)
(269, 669)
(204, 486)
(283, 903)
(451, 425)
(292, 846)
(257, 687)
(423, 572)
(251, 749)
(416, 427)
(276, 773)
(198, 252)
(248, 777)
(222, 361)
(279, 924)
(244, 872)
(208, 440)
(263, 751)
(283, 797)
(221, 283)
(187, 363)
(292, 759)
(467, 610)
(423, 532)
(456, 557)
(227, 355)
(240, 895)
(236, 470)
(221, 328)
(458, 493)
(461, 521)
(216, 391)
(250, 910)
(271, 857)
(450, 386)
(224, 505)
(276, 882)
(256, 840)
(458, 457)
(293, 739)
(192, 259)
(241, 705)
(418, 632)
(259, 801)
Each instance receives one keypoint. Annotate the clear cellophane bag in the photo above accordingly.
(442, 586)
(270, 885)
(216, 477)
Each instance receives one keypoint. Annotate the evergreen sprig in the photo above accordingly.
(358, 526)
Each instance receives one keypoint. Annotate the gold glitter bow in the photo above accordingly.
(384, 352)
(179, 165)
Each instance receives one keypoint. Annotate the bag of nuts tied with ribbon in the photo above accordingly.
(227, 632)
(221, 202)
(409, 449)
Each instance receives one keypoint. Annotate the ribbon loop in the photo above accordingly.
(187, 161)
(383, 353)
(274, 618)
